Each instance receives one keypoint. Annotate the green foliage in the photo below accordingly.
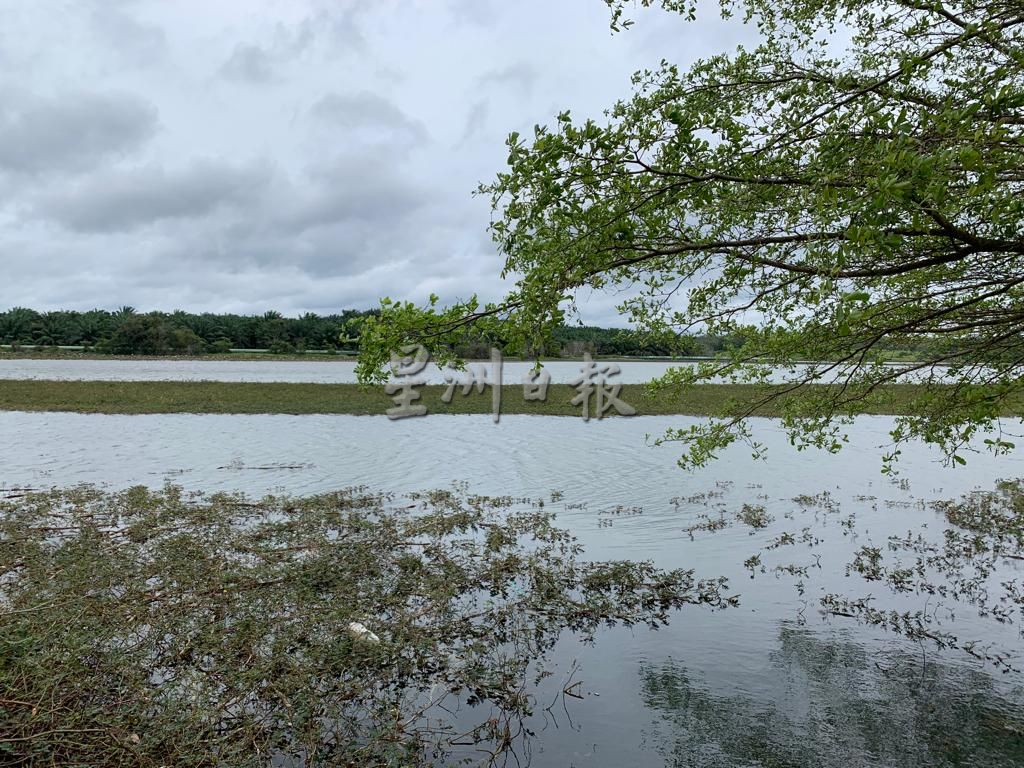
(127, 332)
(281, 347)
(151, 335)
(159, 628)
(843, 200)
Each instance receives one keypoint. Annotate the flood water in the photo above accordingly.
(771, 683)
(312, 371)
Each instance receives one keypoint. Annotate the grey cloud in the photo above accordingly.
(474, 12)
(347, 215)
(260, 64)
(345, 32)
(351, 191)
(373, 116)
(519, 74)
(131, 199)
(475, 121)
(249, 64)
(73, 132)
(123, 34)
(339, 29)
(369, 193)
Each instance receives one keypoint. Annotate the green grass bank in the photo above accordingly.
(138, 397)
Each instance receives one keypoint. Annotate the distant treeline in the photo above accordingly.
(126, 331)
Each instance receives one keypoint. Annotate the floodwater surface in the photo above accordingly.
(312, 371)
(771, 683)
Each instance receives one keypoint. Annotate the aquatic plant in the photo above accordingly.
(163, 628)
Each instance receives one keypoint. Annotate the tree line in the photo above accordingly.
(127, 331)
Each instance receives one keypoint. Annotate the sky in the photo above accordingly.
(295, 155)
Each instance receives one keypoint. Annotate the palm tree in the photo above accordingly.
(56, 328)
(94, 326)
(16, 324)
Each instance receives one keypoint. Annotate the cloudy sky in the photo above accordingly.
(297, 155)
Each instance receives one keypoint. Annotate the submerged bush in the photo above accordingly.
(158, 628)
(970, 560)
(967, 566)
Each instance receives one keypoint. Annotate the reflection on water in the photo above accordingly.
(752, 695)
(836, 703)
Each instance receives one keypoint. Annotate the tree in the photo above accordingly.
(56, 328)
(137, 335)
(840, 198)
(94, 325)
(152, 334)
(16, 325)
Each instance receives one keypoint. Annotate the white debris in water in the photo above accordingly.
(361, 632)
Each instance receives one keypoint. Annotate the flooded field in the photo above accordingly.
(313, 371)
(770, 683)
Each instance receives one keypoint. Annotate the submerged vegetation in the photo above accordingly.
(967, 566)
(967, 562)
(156, 628)
(356, 628)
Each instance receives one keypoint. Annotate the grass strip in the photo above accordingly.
(139, 397)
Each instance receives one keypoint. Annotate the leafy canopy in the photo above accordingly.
(841, 197)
